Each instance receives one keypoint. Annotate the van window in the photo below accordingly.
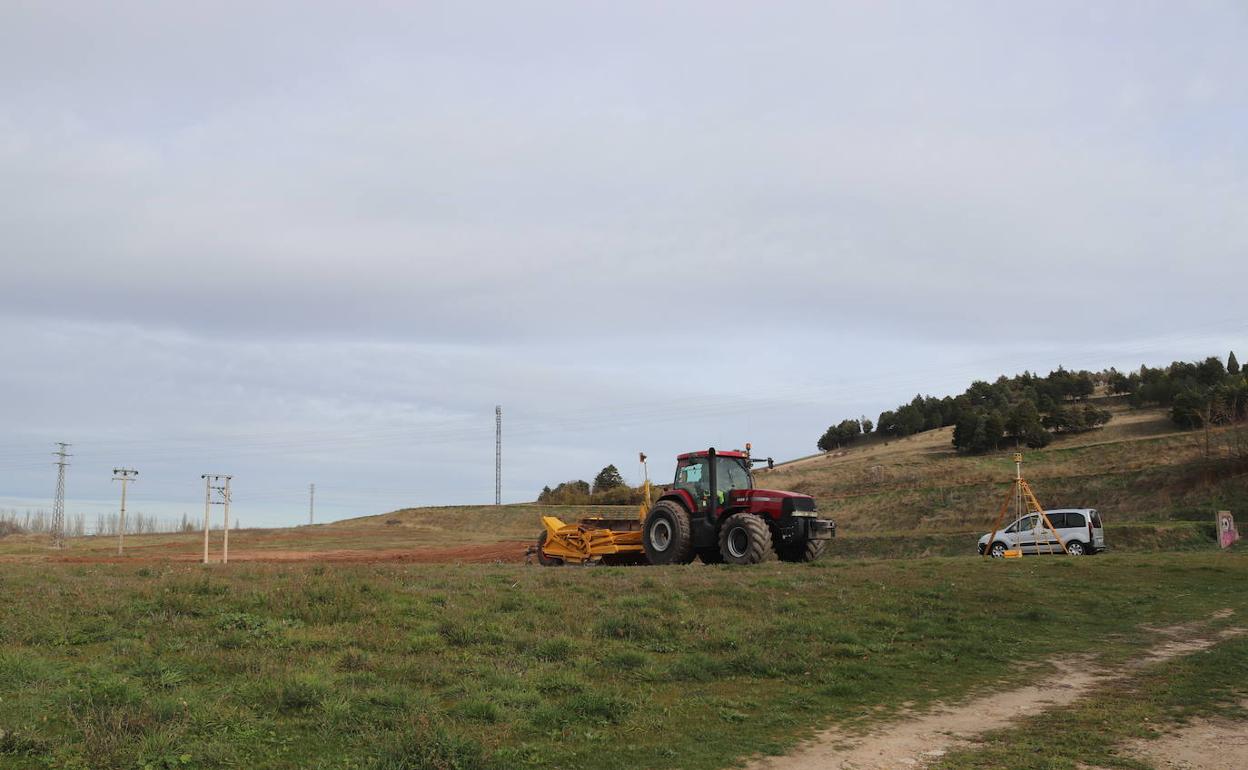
(1096, 519)
(1076, 519)
(1058, 519)
(1021, 524)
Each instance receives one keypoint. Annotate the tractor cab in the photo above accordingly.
(732, 471)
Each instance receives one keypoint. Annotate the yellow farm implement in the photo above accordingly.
(594, 539)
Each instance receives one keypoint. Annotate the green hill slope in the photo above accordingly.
(1136, 469)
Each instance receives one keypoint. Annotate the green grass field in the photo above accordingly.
(375, 666)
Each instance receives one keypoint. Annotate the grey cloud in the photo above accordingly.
(262, 218)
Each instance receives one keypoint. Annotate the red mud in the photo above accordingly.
(511, 552)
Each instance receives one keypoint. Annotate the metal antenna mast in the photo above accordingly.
(498, 455)
(58, 503)
(125, 476)
(311, 500)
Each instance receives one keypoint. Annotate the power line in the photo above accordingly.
(58, 502)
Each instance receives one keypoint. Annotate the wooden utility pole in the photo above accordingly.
(125, 476)
(219, 483)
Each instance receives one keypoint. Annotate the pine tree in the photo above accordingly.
(1232, 365)
(608, 478)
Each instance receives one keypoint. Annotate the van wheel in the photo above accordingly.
(1075, 548)
(998, 550)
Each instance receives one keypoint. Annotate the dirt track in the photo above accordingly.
(511, 551)
(921, 739)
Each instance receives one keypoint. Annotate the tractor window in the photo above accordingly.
(730, 473)
(693, 478)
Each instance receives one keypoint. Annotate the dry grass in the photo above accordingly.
(1138, 468)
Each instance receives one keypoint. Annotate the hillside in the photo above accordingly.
(914, 496)
(1139, 468)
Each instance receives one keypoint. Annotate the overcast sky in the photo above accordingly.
(318, 242)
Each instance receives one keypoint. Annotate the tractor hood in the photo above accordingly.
(774, 501)
(778, 494)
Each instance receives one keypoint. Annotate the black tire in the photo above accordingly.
(998, 549)
(745, 539)
(1076, 548)
(710, 555)
(542, 558)
(802, 551)
(667, 536)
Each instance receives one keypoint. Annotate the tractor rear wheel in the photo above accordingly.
(667, 537)
(808, 550)
(542, 558)
(745, 539)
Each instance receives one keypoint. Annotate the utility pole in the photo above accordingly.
(125, 476)
(225, 535)
(498, 455)
(311, 501)
(219, 483)
(207, 519)
(58, 503)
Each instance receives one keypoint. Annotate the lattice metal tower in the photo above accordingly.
(498, 455)
(58, 503)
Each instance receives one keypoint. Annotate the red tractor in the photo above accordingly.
(712, 511)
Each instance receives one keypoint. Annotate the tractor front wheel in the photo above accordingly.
(745, 539)
(667, 537)
(803, 550)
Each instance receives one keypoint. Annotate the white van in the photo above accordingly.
(1079, 528)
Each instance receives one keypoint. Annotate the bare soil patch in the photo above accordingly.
(1206, 744)
(923, 738)
(489, 553)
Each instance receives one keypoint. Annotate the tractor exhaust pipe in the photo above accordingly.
(712, 503)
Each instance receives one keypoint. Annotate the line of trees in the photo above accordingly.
(1025, 409)
(1198, 394)
(1030, 409)
(608, 488)
(39, 521)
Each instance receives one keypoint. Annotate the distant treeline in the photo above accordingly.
(608, 489)
(1030, 409)
(13, 522)
(1197, 394)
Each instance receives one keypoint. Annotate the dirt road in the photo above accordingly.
(920, 739)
